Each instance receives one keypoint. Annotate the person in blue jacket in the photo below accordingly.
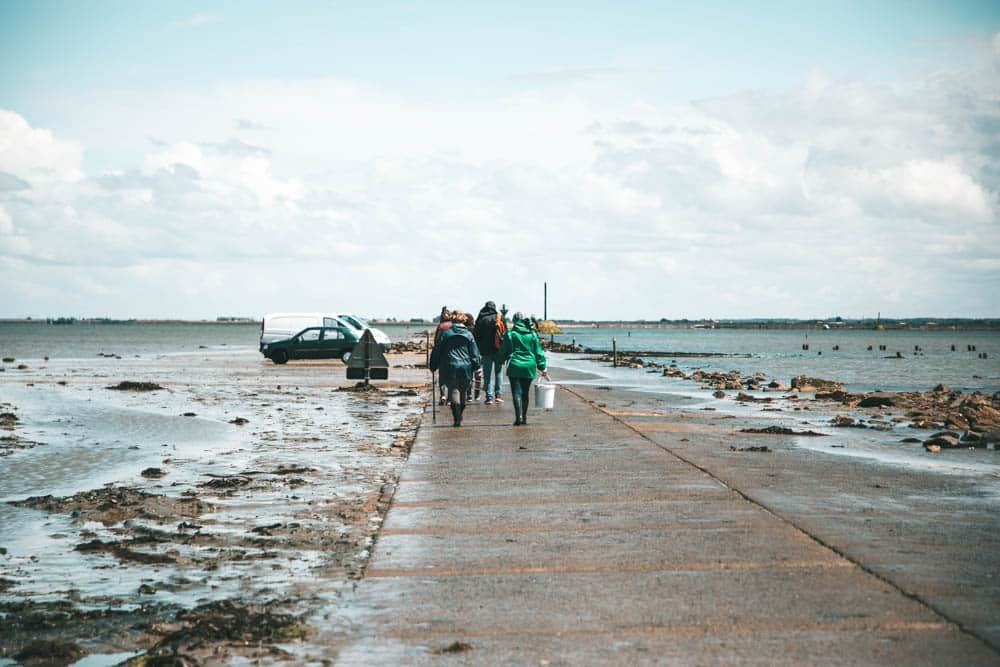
(456, 356)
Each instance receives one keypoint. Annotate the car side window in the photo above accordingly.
(329, 322)
(310, 335)
(332, 334)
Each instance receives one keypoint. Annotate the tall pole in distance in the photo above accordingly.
(545, 306)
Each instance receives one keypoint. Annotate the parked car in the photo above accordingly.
(279, 326)
(313, 343)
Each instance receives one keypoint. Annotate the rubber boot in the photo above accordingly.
(517, 410)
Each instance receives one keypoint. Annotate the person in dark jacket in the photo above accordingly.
(456, 356)
(522, 347)
(443, 323)
(490, 330)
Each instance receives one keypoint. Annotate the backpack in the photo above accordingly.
(501, 330)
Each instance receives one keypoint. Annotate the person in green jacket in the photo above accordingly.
(524, 351)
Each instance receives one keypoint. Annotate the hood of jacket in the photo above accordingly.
(486, 311)
(523, 327)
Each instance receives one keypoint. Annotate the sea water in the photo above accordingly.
(913, 360)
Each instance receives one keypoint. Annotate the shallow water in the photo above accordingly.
(878, 446)
(779, 354)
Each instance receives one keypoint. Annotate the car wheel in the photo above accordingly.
(346, 356)
(280, 357)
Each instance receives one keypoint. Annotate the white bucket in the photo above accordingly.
(545, 395)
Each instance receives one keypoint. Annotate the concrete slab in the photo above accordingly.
(569, 516)
(924, 647)
(707, 547)
(595, 545)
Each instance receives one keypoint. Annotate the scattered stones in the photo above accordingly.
(153, 473)
(760, 448)
(877, 401)
(804, 383)
(454, 647)
(41, 652)
(843, 421)
(945, 439)
(8, 360)
(122, 552)
(781, 430)
(232, 482)
(360, 387)
(744, 397)
(110, 505)
(127, 385)
(8, 420)
(230, 621)
(239, 421)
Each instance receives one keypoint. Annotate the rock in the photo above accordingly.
(945, 439)
(979, 413)
(718, 393)
(956, 422)
(758, 448)
(840, 396)
(777, 386)
(239, 421)
(941, 389)
(910, 440)
(136, 386)
(744, 397)
(153, 473)
(842, 421)
(810, 384)
(933, 448)
(43, 652)
(876, 401)
(780, 430)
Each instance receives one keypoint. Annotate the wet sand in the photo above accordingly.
(201, 515)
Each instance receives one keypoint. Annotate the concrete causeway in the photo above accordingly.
(591, 536)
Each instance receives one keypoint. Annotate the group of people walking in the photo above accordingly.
(467, 348)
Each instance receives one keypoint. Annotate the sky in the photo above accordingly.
(646, 160)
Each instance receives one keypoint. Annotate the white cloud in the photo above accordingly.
(839, 196)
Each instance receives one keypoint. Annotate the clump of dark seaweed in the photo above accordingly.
(128, 385)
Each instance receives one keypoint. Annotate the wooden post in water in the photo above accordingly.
(614, 352)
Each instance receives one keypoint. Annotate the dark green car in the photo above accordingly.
(313, 343)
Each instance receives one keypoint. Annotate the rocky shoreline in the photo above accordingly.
(959, 420)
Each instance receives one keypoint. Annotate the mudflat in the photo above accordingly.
(192, 505)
